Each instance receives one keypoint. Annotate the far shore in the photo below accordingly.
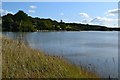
(63, 31)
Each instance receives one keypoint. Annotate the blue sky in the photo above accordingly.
(101, 13)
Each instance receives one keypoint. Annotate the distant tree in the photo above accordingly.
(24, 23)
(7, 22)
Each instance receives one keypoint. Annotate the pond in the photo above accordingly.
(96, 51)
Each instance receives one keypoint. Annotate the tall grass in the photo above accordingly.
(20, 61)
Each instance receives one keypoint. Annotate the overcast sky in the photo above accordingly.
(100, 13)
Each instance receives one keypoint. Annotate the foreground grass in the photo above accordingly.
(20, 61)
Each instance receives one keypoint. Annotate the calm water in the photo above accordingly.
(96, 51)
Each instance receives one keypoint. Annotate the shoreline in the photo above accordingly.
(61, 31)
(17, 54)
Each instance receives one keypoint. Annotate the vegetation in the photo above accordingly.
(24, 23)
(18, 22)
(20, 61)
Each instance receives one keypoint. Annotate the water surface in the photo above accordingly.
(96, 51)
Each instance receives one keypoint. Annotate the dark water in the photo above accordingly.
(96, 51)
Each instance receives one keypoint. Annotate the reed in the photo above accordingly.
(20, 61)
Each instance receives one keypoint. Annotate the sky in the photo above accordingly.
(96, 13)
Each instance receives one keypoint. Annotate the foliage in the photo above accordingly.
(24, 23)
(18, 22)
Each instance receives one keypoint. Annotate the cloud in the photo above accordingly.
(31, 11)
(33, 7)
(112, 12)
(84, 15)
(104, 21)
(4, 12)
(61, 14)
(110, 15)
(85, 21)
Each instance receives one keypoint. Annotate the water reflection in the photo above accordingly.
(19, 36)
(96, 51)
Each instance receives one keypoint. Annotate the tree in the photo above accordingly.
(24, 23)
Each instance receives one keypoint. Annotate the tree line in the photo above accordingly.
(23, 23)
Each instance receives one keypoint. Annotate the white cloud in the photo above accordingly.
(4, 12)
(61, 14)
(110, 15)
(31, 11)
(104, 21)
(84, 15)
(85, 21)
(112, 12)
(33, 7)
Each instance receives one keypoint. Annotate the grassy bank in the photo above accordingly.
(20, 61)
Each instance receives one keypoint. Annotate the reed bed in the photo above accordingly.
(20, 61)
